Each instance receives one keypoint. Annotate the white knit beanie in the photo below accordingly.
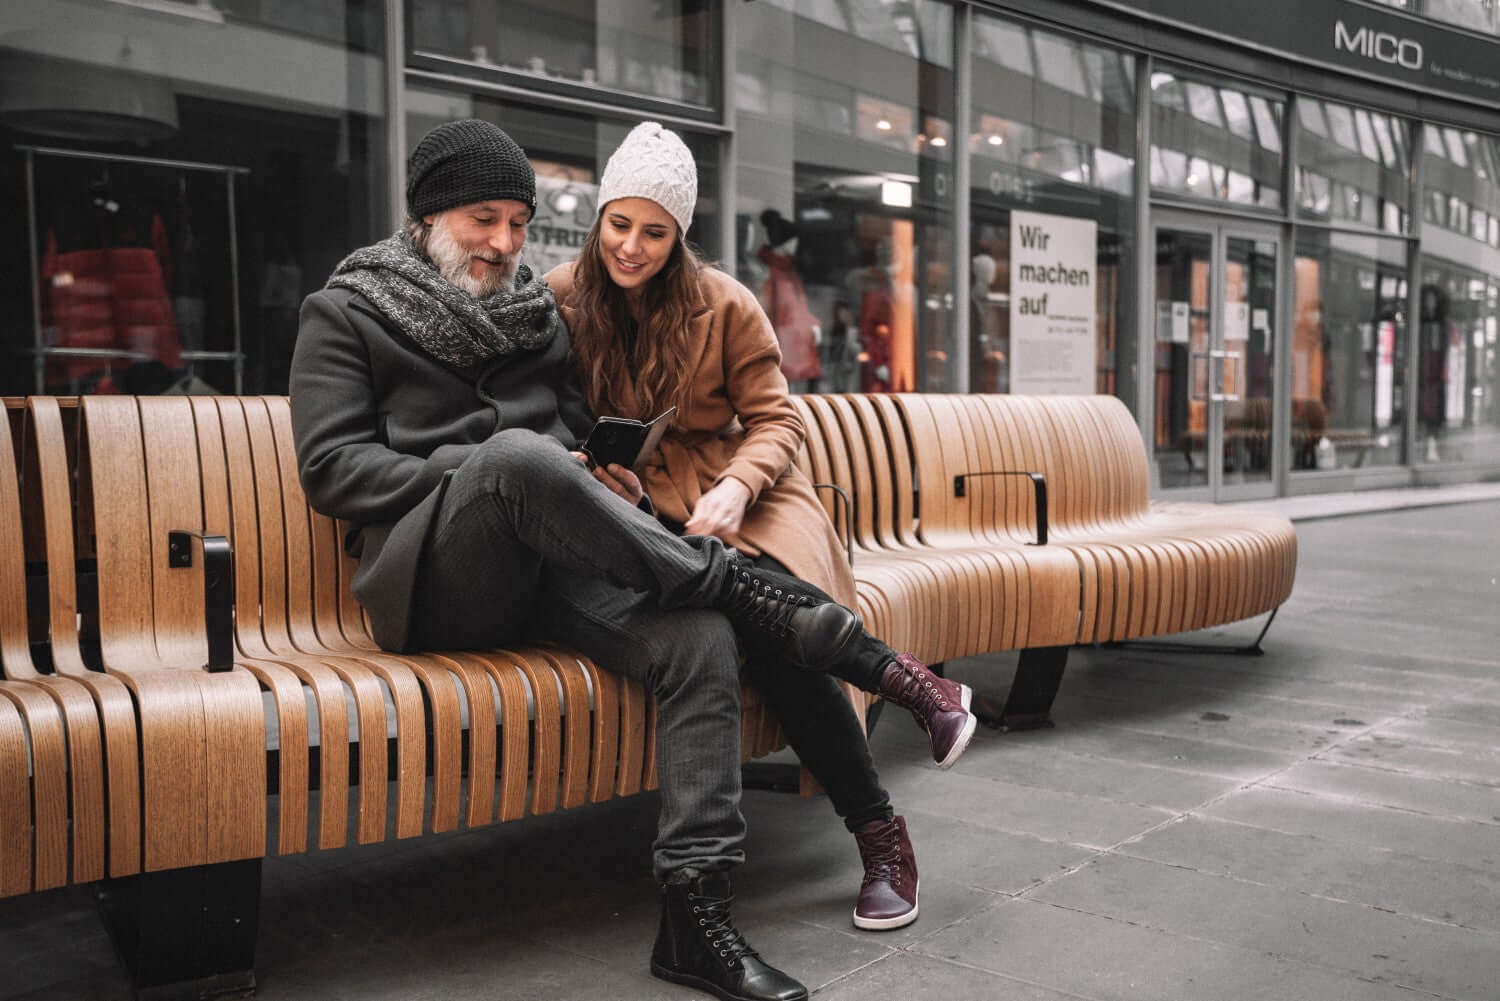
(653, 162)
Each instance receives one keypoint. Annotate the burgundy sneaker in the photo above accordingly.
(940, 706)
(888, 894)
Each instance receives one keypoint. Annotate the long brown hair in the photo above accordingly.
(661, 354)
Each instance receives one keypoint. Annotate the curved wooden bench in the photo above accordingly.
(146, 767)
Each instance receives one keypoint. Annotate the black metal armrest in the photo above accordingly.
(848, 509)
(218, 591)
(1038, 484)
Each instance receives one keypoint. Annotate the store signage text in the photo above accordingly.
(1382, 46)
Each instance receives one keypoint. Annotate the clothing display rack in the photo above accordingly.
(42, 351)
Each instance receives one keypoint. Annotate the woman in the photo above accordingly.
(652, 328)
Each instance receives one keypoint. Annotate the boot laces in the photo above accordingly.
(881, 852)
(718, 929)
(764, 606)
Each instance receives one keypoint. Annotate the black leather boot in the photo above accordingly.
(785, 615)
(698, 945)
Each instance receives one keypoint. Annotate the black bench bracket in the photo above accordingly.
(186, 933)
(1038, 485)
(849, 514)
(1253, 649)
(218, 591)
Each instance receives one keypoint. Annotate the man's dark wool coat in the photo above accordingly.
(379, 425)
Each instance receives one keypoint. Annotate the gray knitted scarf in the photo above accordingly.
(444, 320)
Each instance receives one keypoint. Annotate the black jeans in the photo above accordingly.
(821, 725)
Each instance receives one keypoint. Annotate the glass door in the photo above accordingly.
(1216, 296)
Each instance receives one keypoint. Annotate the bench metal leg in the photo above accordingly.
(186, 934)
(1175, 646)
(1029, 704)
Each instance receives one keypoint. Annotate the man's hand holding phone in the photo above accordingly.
(615, 476)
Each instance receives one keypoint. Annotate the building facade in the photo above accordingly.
(1272, 229)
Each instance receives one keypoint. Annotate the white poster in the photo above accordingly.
(1236, 321)
(1053, 264)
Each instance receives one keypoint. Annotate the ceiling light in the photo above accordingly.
(997, 140)
(939, 141)
(883, 125)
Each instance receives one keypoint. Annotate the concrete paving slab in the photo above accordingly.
(1432, 729)
(1376, 749)
(1199, 756)
(1434, 795)
(1112, 960)
(919, 977)
(1219, 722)
(1404, 884)
(1043, 813)
(1042, 766)
(1154, 689)
(1459, 841)
(1480, 706)
(1364, 941)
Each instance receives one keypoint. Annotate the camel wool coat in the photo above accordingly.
(738, 421)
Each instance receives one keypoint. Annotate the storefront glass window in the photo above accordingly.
(1458, 359)
(844, 220)
(1348, 351)
(661, 49)
(1354, 166)
(1052, 209)
(1213, 141)
(153, 276)
(1480, 15)
(569, 152)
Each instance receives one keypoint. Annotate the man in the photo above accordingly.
(434, 411)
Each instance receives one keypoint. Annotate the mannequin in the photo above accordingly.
(870, 286)
(984, 327)
(785, 300)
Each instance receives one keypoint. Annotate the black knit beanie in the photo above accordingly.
(464, 162)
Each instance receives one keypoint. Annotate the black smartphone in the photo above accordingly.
(623, 441)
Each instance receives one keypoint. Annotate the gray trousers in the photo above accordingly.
(529, 546)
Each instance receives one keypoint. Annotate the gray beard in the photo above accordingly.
(452, 262)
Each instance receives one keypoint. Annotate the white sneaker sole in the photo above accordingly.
(888, 924)
(957, 750)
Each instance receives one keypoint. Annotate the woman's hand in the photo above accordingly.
(615, 476)
(720, 510)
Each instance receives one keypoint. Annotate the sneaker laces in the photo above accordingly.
(770, 608)
(723, 937)
(919, 692)
(881, 852)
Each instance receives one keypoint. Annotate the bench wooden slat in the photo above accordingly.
(15, 804)
(49, 479)
(77, 717)
(606, 731)
(236, 523)
(193, 724)
(48, 836)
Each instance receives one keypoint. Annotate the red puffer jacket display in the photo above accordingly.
(109, 297)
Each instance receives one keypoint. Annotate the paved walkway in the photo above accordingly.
(1320, 823)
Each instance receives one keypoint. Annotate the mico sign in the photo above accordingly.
(1382, 46)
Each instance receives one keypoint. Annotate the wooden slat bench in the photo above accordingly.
(122, 757)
